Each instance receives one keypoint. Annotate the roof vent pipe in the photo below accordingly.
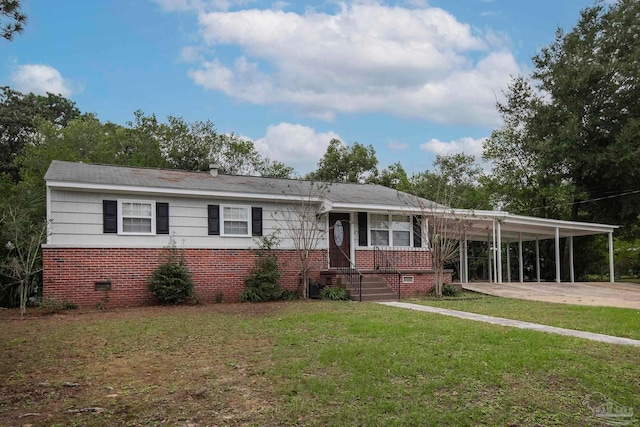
(213, 169)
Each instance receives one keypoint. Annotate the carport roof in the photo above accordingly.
(515, 227)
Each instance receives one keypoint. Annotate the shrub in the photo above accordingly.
(290, 295)
(262, 283)
(53, 306)
(334, 294)
(251, 295)
(218, 297)
(448, 290)
(171, 281)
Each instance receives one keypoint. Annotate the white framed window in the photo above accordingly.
(136, 217)
(235, 220)
(402, 230)
(379, 225)
(390, 230)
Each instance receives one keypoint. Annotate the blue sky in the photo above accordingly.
(412, 78)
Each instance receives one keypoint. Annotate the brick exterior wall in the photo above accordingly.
(69, 273)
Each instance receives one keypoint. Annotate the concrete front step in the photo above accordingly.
(374, 288)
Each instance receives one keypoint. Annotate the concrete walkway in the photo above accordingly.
(515, 323)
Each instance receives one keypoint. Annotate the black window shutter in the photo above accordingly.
(256, 221)
(214, 220)
(362, 229)
(162, 218)
(417, 231)
(109, 216)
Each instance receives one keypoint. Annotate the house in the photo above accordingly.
(109, 225)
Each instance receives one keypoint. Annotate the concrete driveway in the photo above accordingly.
(626, 295)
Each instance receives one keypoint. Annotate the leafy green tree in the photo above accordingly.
(12, 19)
(20, 114)
(343, 163)
(196, 145)
(525, 180)
(592, 75)
(576, 136)
(394, 177)
(456, 181)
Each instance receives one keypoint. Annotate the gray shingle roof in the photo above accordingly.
(366, 194)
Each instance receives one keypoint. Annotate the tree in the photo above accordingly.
(20, 115)
(456, 179)
(12, 19)
(525, 180)
(592, 77)
(444, 227)
(22, 237)
(343, 163)
(393, 176)
(302, 223)
(579, 133)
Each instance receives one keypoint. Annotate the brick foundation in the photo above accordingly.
(70, 273)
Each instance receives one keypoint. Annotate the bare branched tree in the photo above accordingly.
(302, 221)
(444, 227)
(22, 238)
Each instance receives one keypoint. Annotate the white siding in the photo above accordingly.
(76, 221)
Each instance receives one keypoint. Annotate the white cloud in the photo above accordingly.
(295, 145)
(467, 145)
(40, 79)
(367, 57)
(191, 54)
(395, 145)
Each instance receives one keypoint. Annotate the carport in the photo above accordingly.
(503, 228)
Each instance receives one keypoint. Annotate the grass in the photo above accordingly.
(301, 364)
(620, 322)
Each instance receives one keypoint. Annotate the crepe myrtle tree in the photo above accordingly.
(444, 227)
(303, 223)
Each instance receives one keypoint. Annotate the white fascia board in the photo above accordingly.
(565, 225)
(508, 218)
(65, 185)
(352, 207)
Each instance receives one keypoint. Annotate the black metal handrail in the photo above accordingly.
(385, 265)
(351, 272)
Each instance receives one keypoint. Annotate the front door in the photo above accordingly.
(339, 240)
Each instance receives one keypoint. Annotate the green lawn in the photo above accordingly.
(620, 322)
(302, 364)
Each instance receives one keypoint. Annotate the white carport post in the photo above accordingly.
(557, 255)
(612, 277)
(460, 271)
(571, 271)
(490, 260)
(520, 269)
(537, 260)
(499, 254)
(508, 262)
(466, 259)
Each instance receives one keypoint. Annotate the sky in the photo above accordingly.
(413, 78)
